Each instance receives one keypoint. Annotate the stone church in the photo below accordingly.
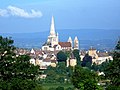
(53, 44)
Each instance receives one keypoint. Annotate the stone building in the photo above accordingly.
(53, 44)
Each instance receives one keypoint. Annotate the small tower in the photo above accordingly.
(76, 43)
(70, 40)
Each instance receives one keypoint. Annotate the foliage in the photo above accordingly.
(84, 79)
(52, 88)
(68, 53)
(69, 88)
(16, 73)
(104, 65)
(61, 56)
(95, 67)
(55, 74)
(39, 87)
(60, 88)
(111, 87)
(113, 69)
(77, 56)
(87, 61)
(59, 74)
(118, 45)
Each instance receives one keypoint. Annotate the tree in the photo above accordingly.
(84, 79)
(16, 73)
(77, 56)
(56, 74)
(61, 56)
(87, 61)
(60, 88)
(104, 65)
(68, 53)
(94, 67)
(113, 69)
(118, 45)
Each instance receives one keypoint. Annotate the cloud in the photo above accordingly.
(15, 11)
(3, 12)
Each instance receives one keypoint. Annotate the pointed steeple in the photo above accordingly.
(70, 40)
(32, 51)
(52, 28)
(76, 39)
(76, 43)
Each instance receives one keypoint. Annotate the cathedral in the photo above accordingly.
(53, 43)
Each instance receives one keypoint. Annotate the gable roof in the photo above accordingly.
(65, 44)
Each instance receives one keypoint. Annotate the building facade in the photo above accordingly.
(53, 43)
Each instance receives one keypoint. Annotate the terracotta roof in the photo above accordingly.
(47, 60)
(38, 52)
(65, 44)
(53, 61)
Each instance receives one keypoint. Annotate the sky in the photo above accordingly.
(24, 16)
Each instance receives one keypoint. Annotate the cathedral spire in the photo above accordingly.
(76, 43)
(52, 28)
(70, 40)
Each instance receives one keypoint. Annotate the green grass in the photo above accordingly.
(55, 85)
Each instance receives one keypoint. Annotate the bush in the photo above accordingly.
(110, 87)
(60, 88)
(69, 88)
(52, 88)
(39, 87)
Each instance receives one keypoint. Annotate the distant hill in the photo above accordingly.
(99, 38)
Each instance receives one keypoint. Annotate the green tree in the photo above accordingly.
(77, 56)
(16, 73)
(113, 69)
(94, 67)
(61, 56)
(60, 88)
(87, 61)
(85, 79)
(68, 53)
(104, 65)
(55, 74)
(52, 88)
(118, 45)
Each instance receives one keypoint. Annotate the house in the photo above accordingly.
(99, 57)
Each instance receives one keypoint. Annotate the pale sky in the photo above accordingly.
(21, 16)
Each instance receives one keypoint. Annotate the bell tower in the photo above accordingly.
(70, 40)
(76, 43)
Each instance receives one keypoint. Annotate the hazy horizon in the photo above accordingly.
(19, 16)
(100, 39)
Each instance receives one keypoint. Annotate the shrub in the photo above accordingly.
(60, 88)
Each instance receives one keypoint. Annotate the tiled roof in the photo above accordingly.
(47, 60)
(53, 61)
(65, 44)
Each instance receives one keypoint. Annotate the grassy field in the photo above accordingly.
(47, 86)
